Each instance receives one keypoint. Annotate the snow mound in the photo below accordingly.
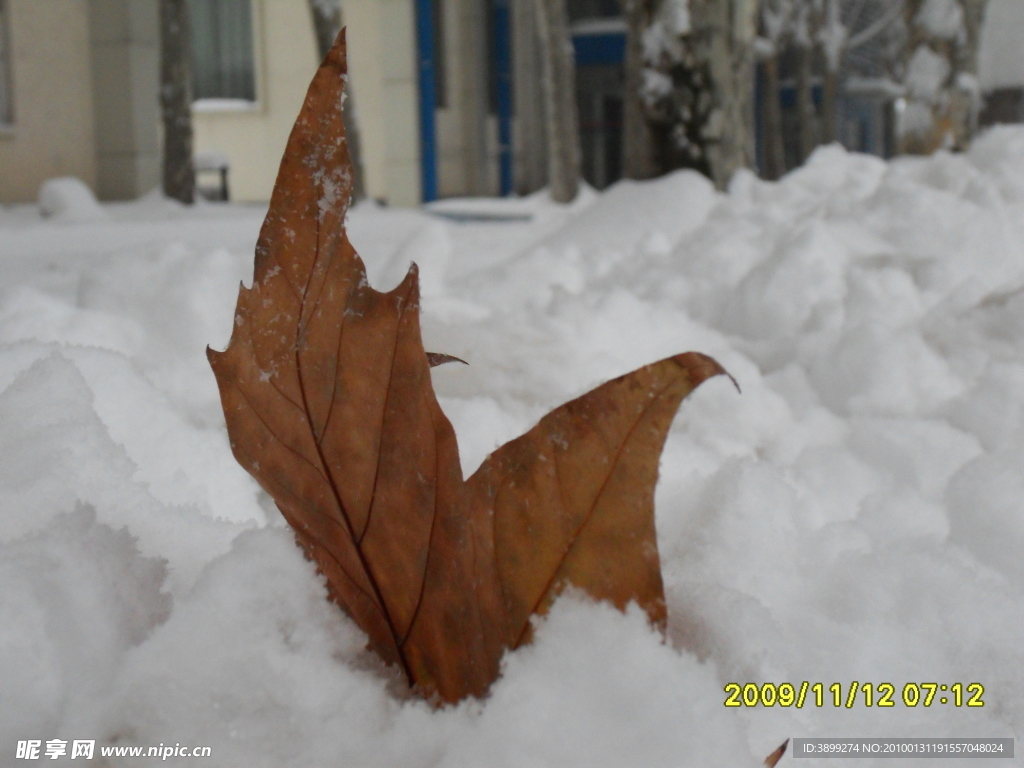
(68, 199)
(76, 595)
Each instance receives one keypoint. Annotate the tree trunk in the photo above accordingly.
(831, 36)
(774, 154)
(637, 140)
(179, 179)
(974, 13)
(327, 23)
(829, 106)
(804, 101)
(722, 34)
(558, 84)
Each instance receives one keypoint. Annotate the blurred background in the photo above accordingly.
(452, 98)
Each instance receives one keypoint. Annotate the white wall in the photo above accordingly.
(125, 46)
(53, 133)
(1001, 58)
(382, 72)
(53, 87)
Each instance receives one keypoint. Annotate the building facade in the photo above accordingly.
(446, 93)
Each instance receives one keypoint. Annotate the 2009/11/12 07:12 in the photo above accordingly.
(881, 695)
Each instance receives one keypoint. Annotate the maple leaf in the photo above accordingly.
(328, 401)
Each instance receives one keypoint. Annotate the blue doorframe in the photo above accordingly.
(503, 72)
(428, 97)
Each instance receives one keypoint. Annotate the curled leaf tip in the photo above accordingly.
(440, 358)
(702, 367)
(337, 53)
(775, 756)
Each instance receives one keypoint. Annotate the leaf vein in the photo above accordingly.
(586, 520)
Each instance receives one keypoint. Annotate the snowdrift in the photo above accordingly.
(856, 515)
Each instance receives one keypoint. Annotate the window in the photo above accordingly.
(6, 97)
(222, 59)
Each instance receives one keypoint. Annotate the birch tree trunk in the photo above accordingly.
(179, 179)
(637, 141)
(722, 35)
(327, 23)
(558, 84)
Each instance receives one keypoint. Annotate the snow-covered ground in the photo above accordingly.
(857, 514)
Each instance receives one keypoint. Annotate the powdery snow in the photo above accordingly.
(857, 514)
(926, 72)
(942, 18)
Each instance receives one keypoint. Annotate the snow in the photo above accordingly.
(68, 199)
(942, 18)
(608, 25)
(926, 73)
(224, 105)
(675, 15)
(855, 515)
(660, 39)
(833, 36)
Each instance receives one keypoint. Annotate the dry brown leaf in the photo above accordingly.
(327, 395)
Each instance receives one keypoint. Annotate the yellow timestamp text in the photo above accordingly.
(866, 694)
